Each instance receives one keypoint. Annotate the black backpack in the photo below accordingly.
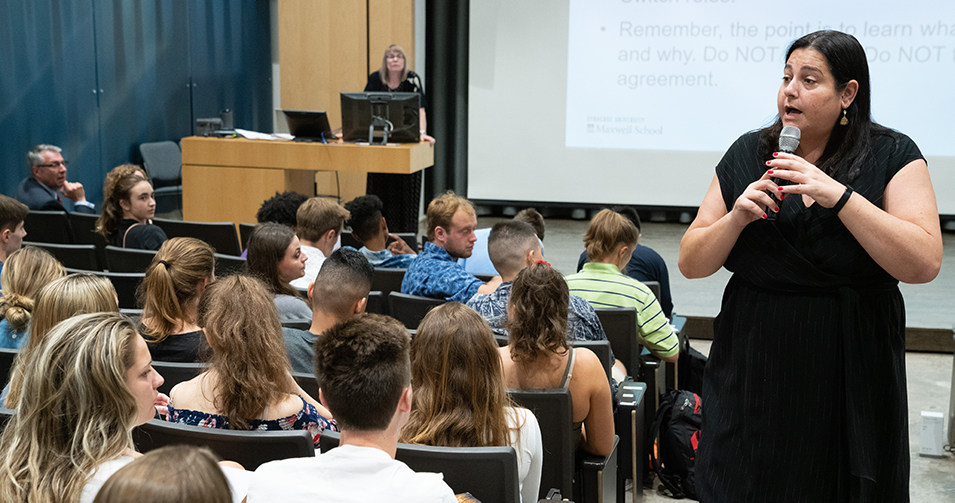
(678, 423)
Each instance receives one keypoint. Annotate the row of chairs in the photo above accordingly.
(116, 259)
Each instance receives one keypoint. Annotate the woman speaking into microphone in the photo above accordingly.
(804, 394)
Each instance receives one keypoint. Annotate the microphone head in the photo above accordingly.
(789, 139)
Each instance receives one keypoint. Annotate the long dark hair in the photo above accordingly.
(267, 246)
(848, 146)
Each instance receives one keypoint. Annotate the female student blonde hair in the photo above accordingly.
(194, 471)
(25, 272)
(175, 279)
(76, 410)
(607, 232)
(61, 299)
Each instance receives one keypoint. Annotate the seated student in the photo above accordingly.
(480, 261)
(364, 376)
(319, 224)
(281, 209)
(12, 215)
(537, 355)
(85, 387)
(339, 293)
(645, 264)
(28, 270)
(610, 240)
(459, 397)
(128, 208)
(513, 246)
(435, 272)
(248, 385)
(369, 226)
(275, 258)
(170, 292)
(193, 471)
(46, 187)
(59, 300)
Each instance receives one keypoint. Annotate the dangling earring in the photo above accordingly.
(844, 121)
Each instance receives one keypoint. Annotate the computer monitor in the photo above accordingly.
(399, 111)
(308, 126)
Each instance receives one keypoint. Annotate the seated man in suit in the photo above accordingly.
(435, 272)
(645, 263)
(339, 293)
(368, 225)
(318, 223)
(363, 368)
(12, 214)
(46, 186)
(513, 246)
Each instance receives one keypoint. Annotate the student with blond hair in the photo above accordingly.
(28, 270)
(194, 471)
(175, 280)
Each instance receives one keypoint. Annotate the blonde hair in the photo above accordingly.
(76, 411)
(459, 395)
(316, 216)
(25, 272)
(383, 73)
(442, 209)
(195, 472)
(248, 351)
(607, 231)
(172, 281)
(63, 298)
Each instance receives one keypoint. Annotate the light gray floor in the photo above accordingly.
(927, 306)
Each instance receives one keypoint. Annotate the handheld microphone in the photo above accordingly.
(788, 143)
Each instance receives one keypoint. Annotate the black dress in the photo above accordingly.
(804, 395)
(409, 85)
(132, 234)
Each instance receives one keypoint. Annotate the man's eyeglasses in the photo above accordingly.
(54, 164)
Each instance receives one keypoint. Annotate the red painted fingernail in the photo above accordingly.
(782, 197)
(770, 172)
(780, 188)
(775, 154)
(776, 209)
(767, 162)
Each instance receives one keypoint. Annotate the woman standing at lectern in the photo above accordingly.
(395, 77)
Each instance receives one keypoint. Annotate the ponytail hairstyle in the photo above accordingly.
(608, 230)
(537, 313)
(79, 293)
(76, 410)
(26, 271)
(171, 283)
(119, 182)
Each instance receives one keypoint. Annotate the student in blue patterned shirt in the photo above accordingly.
(436, 273)
(369, 226)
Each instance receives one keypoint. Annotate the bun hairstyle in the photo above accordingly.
(119, 183)
(537, 313)
(26, 271)
(171, 282)
(608, 230)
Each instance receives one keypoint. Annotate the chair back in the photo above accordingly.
(228, 264)
(387, 280)
(376, 303)
(245, 230)
(72, 256)
(125, 284)
(601, 349)
(174, 373)
(84, 230)
(483, 277)
(248, 448)
(348, 239)
(163, 162)
(554, 411)
(620, 325)
(7, 356)
(654, 287)
(221, 235)
(410, 309)
(49, 227)
(488, 473)
(128, 259)
(307, 382)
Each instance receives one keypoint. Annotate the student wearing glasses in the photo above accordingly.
(46, 187)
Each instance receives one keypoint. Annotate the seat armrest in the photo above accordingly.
(598, 477)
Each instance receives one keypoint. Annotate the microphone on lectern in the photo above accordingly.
(788, 143)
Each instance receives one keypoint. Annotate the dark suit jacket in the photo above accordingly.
(32, 193)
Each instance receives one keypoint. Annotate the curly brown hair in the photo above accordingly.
(537, 313)
(248, 351)
(459, 395)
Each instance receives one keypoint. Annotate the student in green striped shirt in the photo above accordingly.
(610, 240)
